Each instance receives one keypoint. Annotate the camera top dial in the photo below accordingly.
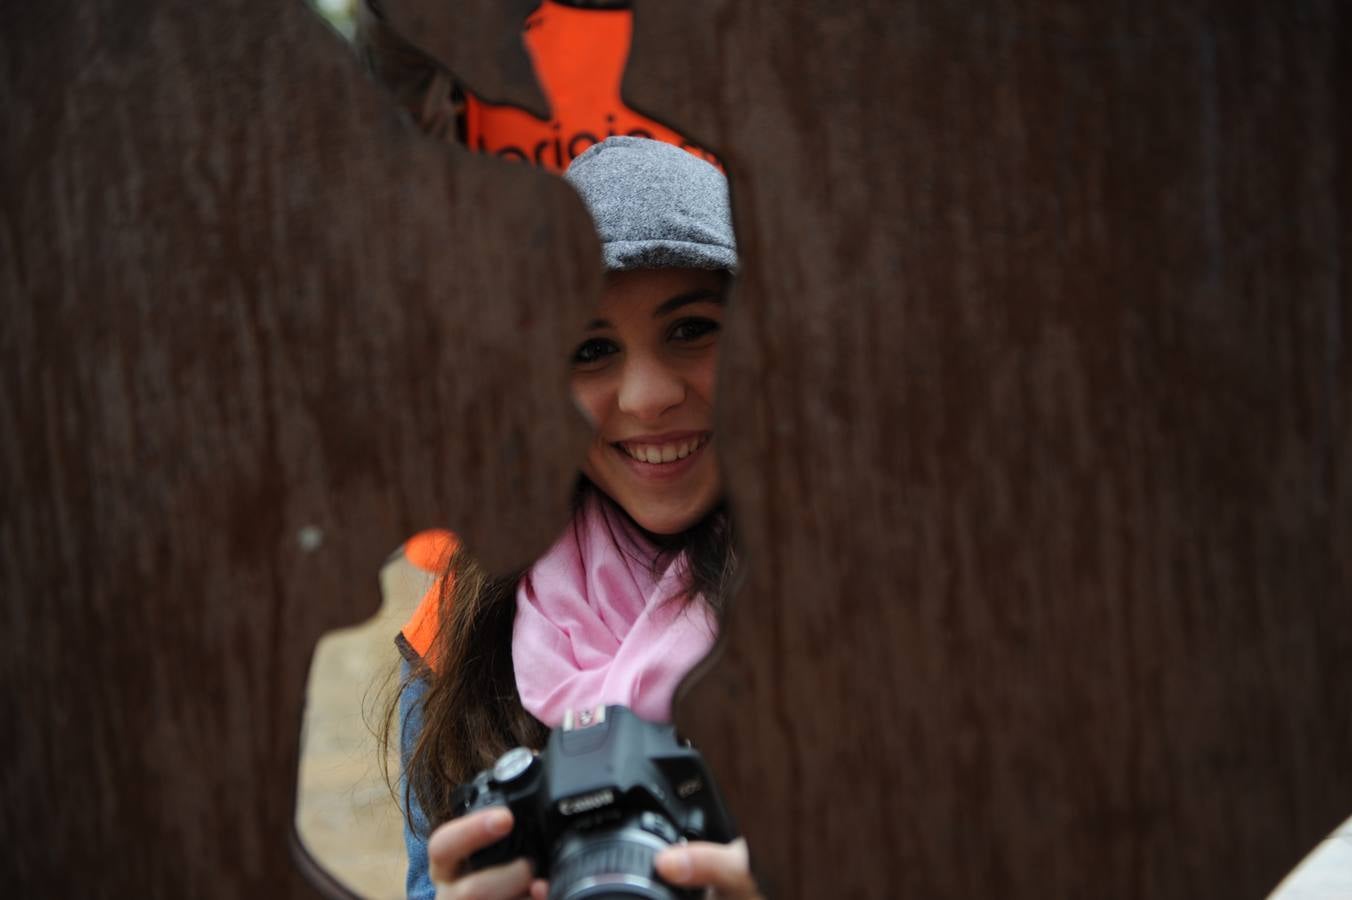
(512, 765)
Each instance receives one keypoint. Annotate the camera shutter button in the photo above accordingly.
(512, 765)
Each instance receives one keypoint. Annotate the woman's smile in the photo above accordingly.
(659, 454)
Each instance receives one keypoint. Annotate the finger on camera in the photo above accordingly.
(725, 867)
(506, 882)
(539, 889)
(453, 843)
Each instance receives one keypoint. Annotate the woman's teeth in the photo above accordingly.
(662, 453)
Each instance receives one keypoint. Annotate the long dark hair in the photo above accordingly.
(471, 712)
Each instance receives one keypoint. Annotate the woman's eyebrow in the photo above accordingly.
(699, 294)
(695, 296)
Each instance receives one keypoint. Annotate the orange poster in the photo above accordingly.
(579, 55)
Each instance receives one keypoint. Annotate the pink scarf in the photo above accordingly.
(594, 626)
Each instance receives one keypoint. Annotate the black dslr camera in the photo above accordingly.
(607, 794)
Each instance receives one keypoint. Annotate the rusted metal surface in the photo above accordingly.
(1035, 411)
(478, 40)
(1036, 420)
(256, 332)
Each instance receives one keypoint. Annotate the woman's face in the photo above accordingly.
(644, 375)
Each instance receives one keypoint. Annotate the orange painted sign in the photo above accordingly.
(579, 57)
(431, 552)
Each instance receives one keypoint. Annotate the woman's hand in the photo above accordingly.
(451, 845)
(725, 869)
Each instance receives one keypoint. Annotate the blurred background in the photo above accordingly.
(346, 815)
(338, 13)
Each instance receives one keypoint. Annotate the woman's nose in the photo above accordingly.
(649, 388)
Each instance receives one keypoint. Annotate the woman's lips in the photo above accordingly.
(662, 456)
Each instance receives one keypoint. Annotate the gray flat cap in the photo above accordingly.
(655, 206)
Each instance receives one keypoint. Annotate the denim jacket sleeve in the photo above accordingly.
(418, 883)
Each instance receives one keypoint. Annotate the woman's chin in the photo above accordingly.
(665, 525)
(664, 518)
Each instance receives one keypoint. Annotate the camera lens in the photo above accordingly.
(614, 863)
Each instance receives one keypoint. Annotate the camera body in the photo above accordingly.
(609, 791)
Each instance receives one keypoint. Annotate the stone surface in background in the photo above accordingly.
(345, 813)
(1326, 874)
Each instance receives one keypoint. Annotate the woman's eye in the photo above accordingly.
(688, 330)
(592, 351)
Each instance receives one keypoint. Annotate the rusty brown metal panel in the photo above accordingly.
(478, 40)
(1036, 414)
(255, 333)
(1036, 418)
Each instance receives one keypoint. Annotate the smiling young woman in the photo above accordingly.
(626, 601)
